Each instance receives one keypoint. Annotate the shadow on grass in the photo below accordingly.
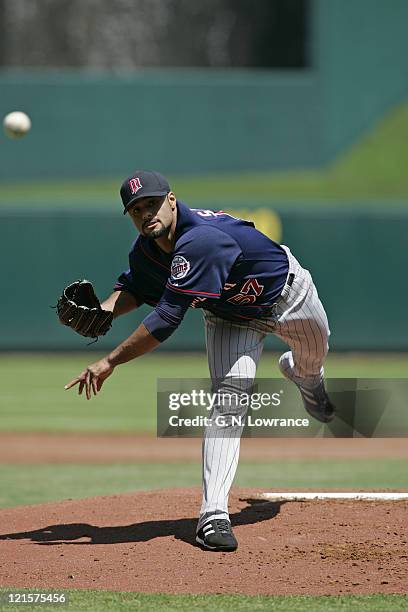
(183, 529)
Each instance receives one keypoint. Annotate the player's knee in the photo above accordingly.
(229, 401)
(234, 384)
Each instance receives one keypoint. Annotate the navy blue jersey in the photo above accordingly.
(219, 263)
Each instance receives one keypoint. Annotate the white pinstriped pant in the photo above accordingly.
(234, 350)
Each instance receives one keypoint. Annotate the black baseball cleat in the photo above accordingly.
(317, 403)
(217, 535)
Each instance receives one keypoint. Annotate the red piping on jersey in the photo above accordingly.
(254, 305)
(170, 286)
(152, 258)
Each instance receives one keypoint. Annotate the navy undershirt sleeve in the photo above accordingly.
(125, 282)
(167, 315)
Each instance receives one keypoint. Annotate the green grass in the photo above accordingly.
(371, 172)
(32, 396)
(35, 484)
(95, 601)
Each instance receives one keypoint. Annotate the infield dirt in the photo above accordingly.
(36, 447)
(145, 542)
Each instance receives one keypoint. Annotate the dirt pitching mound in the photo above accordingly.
(145, 542)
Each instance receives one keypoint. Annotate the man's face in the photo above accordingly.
(153, 215)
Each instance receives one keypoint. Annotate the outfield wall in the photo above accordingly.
(357, 259)
(181, 121)
(360, 55)
(208, 120)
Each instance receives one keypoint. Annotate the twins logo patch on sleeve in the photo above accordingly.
(179, 267)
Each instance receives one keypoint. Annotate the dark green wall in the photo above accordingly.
(358, 262)
(179, 121)
(360, 55)
(209, 120)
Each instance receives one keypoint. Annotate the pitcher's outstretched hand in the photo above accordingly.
(92, 378)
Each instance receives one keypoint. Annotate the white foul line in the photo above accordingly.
(282, 496)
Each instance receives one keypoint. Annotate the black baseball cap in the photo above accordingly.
(141, 184)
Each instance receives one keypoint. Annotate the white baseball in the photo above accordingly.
(16, 124)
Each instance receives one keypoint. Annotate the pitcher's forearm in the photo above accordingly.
(138, 343)
(119, 303)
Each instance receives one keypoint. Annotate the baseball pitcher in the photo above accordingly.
(247, 286)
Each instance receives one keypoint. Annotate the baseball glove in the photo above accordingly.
(79, 308)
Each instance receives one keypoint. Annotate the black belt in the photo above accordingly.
(272, 310)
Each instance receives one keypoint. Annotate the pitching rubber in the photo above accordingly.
(360, 496)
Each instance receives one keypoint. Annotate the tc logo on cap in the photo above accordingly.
(135, 185)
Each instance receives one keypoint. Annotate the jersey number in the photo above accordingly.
(213, 213)
(250, 290)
